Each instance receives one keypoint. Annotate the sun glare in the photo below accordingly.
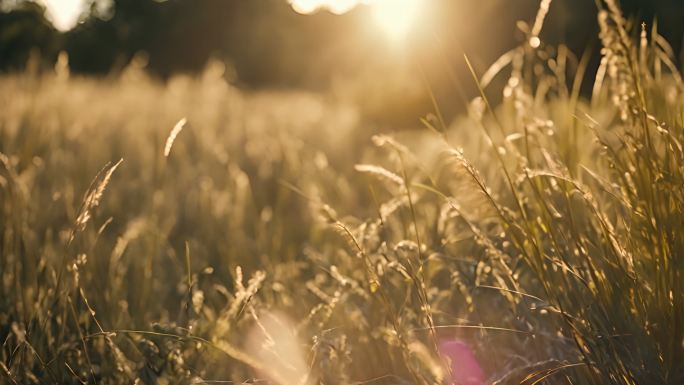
(64, 13)
(335, 6)
(394, 17)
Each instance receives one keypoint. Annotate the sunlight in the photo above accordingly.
(395, 17)
(64, 13)
(335, 6)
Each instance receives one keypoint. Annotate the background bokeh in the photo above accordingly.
(267, 44)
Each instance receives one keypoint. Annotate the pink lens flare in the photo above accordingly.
(465, 369)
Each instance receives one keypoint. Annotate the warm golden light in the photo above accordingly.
(396, 17)
(64, 13)
(334, 6)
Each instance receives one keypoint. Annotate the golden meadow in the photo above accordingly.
(190, 232)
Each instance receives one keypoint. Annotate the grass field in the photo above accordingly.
(191, 232)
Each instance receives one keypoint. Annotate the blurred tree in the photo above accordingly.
(271, 45)
(101, 43)
(24, 31)
(265, 40)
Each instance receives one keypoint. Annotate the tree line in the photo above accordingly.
(268, 44)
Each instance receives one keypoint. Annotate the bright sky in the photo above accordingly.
(64, 13)
(334, 6)
(394, 17)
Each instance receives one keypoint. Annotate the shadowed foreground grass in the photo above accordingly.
(269, 237)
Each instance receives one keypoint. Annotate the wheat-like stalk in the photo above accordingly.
(380, 172)
(539, 23)
(173, 134)
(93, 197)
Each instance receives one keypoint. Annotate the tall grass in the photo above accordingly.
(267, 241)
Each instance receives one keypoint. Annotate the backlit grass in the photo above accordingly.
(272, 237)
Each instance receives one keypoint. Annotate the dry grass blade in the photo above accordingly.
(539, 23)
(497, 67)
(173, 134)
(479, 327)
(7, 373)
(93, 197)
(380, 172)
